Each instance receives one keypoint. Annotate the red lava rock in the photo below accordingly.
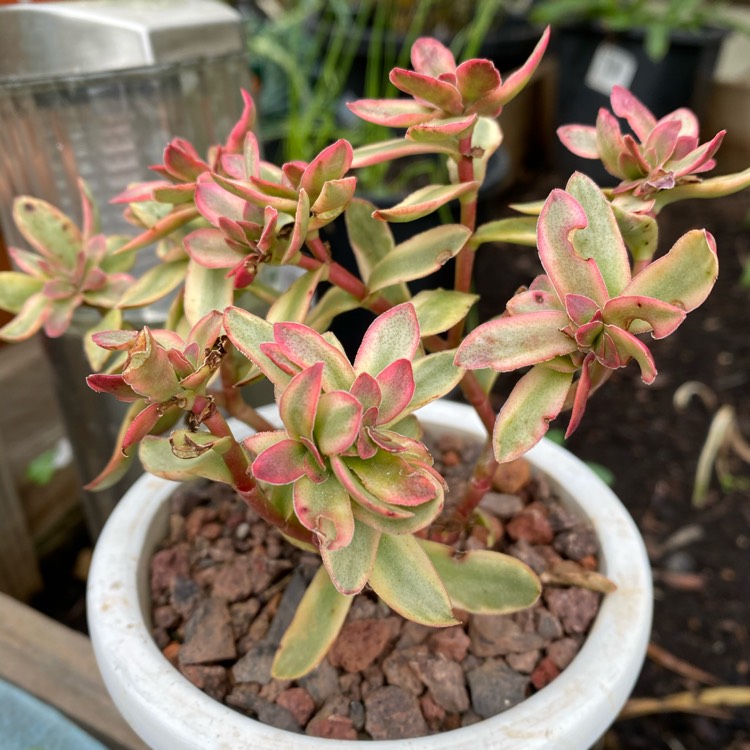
(495, 688)
(445, 681)
(208, 634)
(321, 683)
(412, 634)
(398, 669)
(512, 476)
(166, 565)
(243, 613)
(332, 722)
(211, 679)
(432, 712)
(501, 505)
(575, 607)
(545, 672)
(563, 652)
(298, 702)
(172, 653)
(234, 581)
(576, 543)
(196, 519)
(497, 635)
(166, 617)
(212, 531)
(531, 525)
(451, 458)
(359, 643)
(452, 643)
(523, 663)
(393, 713)
(547, 625)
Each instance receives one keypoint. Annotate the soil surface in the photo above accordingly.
(700, 556)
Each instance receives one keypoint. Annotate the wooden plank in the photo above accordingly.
(57, 665)
(19, 571)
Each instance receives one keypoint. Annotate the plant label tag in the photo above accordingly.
(610, 66)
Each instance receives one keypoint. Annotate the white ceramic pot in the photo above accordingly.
(571, 713)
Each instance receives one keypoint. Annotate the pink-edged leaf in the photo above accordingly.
(208, 248)
(298, 404)
(393, 113)
(273, 189)
(364, 497)
(91, 224)
(248, 192)
(300, 228)
(610, 144)
(325, 509)
(30, 263)
(582, 390)
(431, 57)
(531, 301)
(396, 383)
(536, 399)
(508, 343)
(182, 160)
(634, 158)
(367, 391)
(395, 481)
(580, 140)
(60, 315)
(214, 202)
(396, 148)
(441, 130)
(47, 229)
(391, 336)
(630, 108)
(631, 346)
(115, 340)
(699, 159)
(292, 173)
(281, 463)
(423, 88)
(236, 139)
(333, 199)
(162, 228)
(330, 164)
(261, 441)
(661, 142)
(689, 125)
(141, 426)
(338, 422)
(175, 194)
(424, 201)
(306, 347)
(140, 191)
(476, 79)
(684, 276)
(580, 309)
(112, 384)
(661, 318)
(569, 272)
(149, 371)
(516, 81)
(601, 239)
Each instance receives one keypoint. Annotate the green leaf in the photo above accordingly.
(96, 356)
(424, 201)
(601, 239)
(334, 302)
(640, 232)
(440, 309)
(206, 289)
(376, 153)
(349, 567)
(294, 303)
(371, 240)
(520, 230)
(434, 376)
(16, 288)
(537, 398)
(391, 336)
(317, 621)
(157, 458)
(154, 284)
(28, 321)
(325, 509)
(419, 256)
(47, 229)
(405, 579)
(482, 581)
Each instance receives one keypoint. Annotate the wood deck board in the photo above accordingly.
(57, 665)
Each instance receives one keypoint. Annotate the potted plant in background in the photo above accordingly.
(664, 53)
(340, 469)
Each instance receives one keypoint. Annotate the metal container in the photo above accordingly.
(96, 89)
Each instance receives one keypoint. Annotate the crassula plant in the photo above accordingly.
(344, 471)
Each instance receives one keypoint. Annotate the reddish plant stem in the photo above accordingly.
(479, 484)
(476, 396)
(340, 277)
(236, 461)
(465, 257)
(317, 248)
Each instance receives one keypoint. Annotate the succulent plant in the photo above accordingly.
(344, 472)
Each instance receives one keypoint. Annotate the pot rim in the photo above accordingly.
(569, 714)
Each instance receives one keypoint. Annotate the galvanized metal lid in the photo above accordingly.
(85, 37)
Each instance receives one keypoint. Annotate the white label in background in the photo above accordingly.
(610, 66)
